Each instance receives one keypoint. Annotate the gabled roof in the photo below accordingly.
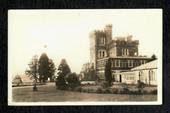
(149, 65)
(26, 78)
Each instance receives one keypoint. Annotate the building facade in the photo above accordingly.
(123, 51)
(146, 73)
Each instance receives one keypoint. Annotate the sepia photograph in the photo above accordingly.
(85, 57)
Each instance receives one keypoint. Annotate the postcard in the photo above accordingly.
(85, 57)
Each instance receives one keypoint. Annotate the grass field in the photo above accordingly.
(48, 93)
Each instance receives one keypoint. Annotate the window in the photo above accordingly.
(129, 77)
(130, 63)
(126, 63)
(125, 51)
(103, 54)
(117, 63)
(152, 75)
(122, 64)
(137, 63)
(102, 41)
(142, 61)
(122, 51)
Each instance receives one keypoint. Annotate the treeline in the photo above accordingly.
(44, 68)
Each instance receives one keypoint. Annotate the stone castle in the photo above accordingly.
(123, 51)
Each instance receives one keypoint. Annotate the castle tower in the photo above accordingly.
(93, 48)
(99, 40)
(108, 31)
(97, 46)
(101, 44)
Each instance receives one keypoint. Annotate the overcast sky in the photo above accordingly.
(66, 34)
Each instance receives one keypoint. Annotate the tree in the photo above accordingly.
(63, 69)
(17, 80)
(52, 70)
(108, 73)
(43, 69)
(33, 71)
(153, 57)
(46, 68)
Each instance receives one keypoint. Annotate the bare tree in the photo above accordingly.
(32, 72)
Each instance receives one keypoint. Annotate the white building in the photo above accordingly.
(146, 73)
(23, 79)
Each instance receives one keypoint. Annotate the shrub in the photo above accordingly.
(107, 91)
(124, 85)
(126, 90)
(72, 80)
(105, 84)
(114, 91)
(123, 91)
(90, 90)
(17, 80)
(61, 83)
(140, 87)
(154, 91)
(84, 90)
(69, 89)
(78, 89)
(134, 92)
(99, 90)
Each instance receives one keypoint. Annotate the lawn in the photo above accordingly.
(48, 93)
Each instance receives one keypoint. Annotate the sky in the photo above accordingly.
(66, 34)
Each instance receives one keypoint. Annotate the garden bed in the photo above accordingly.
(115, 89)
